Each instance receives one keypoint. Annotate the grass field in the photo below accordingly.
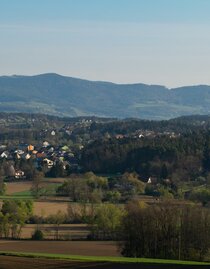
(39, 260)
(101, 259)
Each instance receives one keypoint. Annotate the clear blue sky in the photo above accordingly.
(151, 41)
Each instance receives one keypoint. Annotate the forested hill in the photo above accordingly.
(65, 96)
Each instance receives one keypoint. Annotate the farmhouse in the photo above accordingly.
(19, 174)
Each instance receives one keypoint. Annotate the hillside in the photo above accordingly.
(65, 96)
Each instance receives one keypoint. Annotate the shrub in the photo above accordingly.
(37, 235)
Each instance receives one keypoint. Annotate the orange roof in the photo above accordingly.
(30, 147)
(40, 155)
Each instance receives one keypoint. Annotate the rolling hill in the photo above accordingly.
(66, 96)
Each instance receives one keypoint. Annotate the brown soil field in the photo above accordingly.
(9, 262)
(87, 248)
(46, 208)
(18, 186)
(13, 187)
(65, 232)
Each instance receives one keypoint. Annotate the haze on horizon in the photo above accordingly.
(124, 41)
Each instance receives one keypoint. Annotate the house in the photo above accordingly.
(81, 147)
(41, 155)
(65, 165)
(5, 154)
(152, 180)
(17, 156)
(45, 144)
(51, 149)
(26, 156)
(149, 181)
(19, 174)
(68, 132)
(65, 148)
(3, 147)
(19, 151)
(119, 136)
(49, 163)
(70, 155)
(30, 148)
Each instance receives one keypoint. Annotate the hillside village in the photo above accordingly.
(60, 146)
(44, 155)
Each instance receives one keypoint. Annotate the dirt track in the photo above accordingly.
(34, 263)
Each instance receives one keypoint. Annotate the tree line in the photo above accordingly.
(163, 230)
(183, 158)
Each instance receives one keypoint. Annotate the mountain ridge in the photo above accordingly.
(54, 94)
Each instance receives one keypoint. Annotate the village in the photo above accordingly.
(44, 148)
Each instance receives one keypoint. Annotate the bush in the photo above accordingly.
(37, 235)
(202, 196)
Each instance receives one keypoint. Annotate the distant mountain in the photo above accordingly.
(66, 96)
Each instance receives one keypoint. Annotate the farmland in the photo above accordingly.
(30, 260)
(42, 207)
(87, 248)
(65, 232)
(17, 187)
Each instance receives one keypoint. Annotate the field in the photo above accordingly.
(72, 254)
(65, 232)
(22, 188)
(87, 248)
(48, 205)
(17, 187)
(39, 261)
(46, 208)
(42, 207)
(24, 254)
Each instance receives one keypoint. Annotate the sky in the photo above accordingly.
(164, 42)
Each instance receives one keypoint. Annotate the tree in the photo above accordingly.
(195, 233)
(107, 222)
(76, 188)
(57, 219)
(2, 186)
(164, 172)
(28, 167)
(37, 235)
(113, 196)
(202, 196)
(206, 157)
(9, 170)
(165, 231)
(130, 185)
(14, 215)
(96, 182)
(37, 184)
